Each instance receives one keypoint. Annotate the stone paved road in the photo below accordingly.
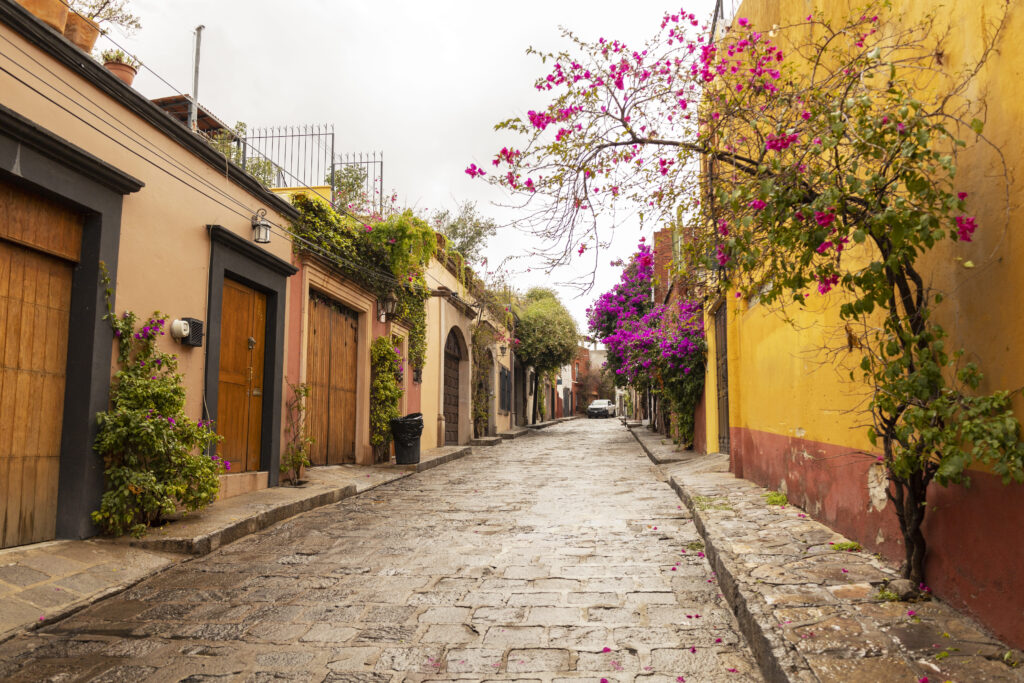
(556, 557)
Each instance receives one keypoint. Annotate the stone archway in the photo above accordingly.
(457, 387)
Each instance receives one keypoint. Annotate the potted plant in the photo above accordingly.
(87, 16)
(121, 65)
(51, 12)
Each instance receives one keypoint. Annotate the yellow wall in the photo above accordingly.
(780, 381)
(164, 255)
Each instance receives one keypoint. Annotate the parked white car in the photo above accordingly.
(601, 408)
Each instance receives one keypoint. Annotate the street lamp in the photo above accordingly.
(261, 227)
(503, 349)
(386, 307)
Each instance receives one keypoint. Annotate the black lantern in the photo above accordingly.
(503, 349)
(386, 307)
(261, 227)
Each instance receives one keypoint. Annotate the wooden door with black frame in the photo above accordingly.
(40, 242)
(331, 364)
(722, 377)
(452, 357)
(243, 331)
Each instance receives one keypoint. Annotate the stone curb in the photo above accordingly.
(778, 593)
(207, 543)
(485, 441)
(661, 456)
(777, 664)
(188, 549)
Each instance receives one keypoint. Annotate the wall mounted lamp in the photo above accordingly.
(261, 227)
(386, 307)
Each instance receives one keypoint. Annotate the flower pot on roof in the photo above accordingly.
(82, 31)
(88, 16)
(121, 65)
(53, 13)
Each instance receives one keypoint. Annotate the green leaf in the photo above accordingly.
(977, 126)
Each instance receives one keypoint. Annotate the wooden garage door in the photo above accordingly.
(243, 331)
(39, 243)
(452, 356)
(331, 363)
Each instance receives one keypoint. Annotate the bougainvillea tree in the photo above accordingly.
(652, 347)
(816, 159)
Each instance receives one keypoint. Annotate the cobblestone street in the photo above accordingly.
(557, 556)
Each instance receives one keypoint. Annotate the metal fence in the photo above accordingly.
(305, 156)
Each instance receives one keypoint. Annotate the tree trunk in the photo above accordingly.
(910, 498)
(536, 386)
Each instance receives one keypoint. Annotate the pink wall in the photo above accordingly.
(974, 551)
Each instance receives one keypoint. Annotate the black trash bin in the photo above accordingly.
(406, 432)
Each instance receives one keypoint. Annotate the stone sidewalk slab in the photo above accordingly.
(811, 613)
(660, 448)
(45, 582)
(42, 582)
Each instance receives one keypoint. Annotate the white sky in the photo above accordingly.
(424, 82)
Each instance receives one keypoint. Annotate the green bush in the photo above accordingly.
(385, 391)
(155, 457)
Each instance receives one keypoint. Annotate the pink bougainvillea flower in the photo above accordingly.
(743, 21)
(961, 196)
(911, 613)
(583, 248)
(965, 228)
(607, 649)
(473, 171)
(757, 204)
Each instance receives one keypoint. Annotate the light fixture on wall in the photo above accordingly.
(503, 349)
(386, 307)
(261, 227)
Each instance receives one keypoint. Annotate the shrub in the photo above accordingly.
(155, 457)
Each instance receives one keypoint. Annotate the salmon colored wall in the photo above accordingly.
(164, 256)
(799, 424)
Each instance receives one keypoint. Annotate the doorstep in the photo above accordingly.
(513, 433)
(810, 613)
(485, 441)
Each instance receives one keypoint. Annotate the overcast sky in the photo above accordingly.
(423, 82)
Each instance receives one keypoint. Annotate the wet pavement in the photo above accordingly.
(557, 556)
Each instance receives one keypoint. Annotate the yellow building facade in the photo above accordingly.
(785, 408)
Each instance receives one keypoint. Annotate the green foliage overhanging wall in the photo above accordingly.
(383, 257)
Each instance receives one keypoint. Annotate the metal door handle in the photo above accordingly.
(257, 392)
(252, 343)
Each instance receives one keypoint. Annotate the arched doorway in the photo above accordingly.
(452, 358)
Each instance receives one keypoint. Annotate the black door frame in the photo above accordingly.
(236, 258)
(46, 164)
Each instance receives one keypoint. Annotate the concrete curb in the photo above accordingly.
(485, 441)
(513, 434)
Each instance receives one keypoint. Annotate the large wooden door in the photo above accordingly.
(722, 377)
(39, 243)
(243, 331)
(452, 356)
(331, 365)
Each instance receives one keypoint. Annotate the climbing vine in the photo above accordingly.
(386, 372)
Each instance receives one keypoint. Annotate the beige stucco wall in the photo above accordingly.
(442, 317)
(164, 255)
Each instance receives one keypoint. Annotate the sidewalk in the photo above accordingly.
(810, 613)
(45, 582)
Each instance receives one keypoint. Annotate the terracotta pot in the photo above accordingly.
(51, 12)
(123, 71)
(81, 31)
